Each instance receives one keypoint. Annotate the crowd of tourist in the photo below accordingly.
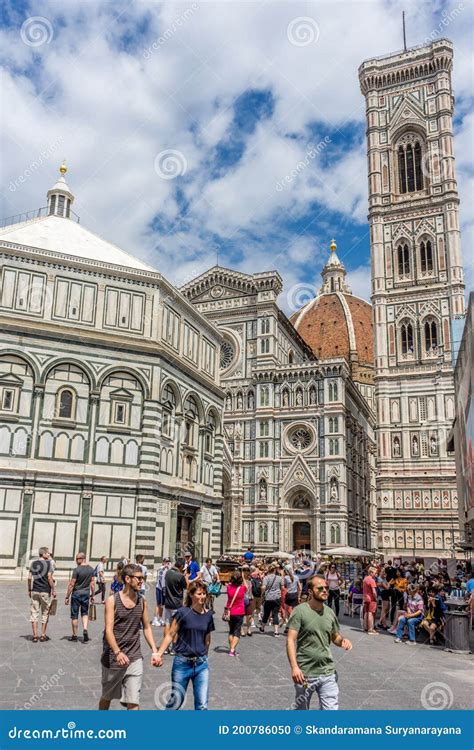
(297, 596)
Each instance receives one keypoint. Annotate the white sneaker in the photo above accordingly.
(398, 640)
(156, 622)
(253, 624)
(411, 643)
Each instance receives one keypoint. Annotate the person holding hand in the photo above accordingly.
(312, 627)
(122, 662)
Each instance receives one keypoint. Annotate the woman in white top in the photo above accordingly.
(334, 581)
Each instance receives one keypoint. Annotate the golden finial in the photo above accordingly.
(333, 246)
(63, 168)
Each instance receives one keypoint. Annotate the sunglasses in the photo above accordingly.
(322, 588)
(138, 578)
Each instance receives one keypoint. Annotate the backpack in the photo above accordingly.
(256, 587)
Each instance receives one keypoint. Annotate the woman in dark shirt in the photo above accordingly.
(191, 626)
(434, 619)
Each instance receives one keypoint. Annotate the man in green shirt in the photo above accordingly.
(311, 629)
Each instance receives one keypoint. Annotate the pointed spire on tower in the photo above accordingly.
(334, 273)
(60, 197)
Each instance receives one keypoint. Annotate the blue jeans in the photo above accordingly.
(196, 670)
(411, 622)
(325, 686)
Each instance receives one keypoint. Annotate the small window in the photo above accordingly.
(8, 399)
(52, 205)
(66, 404)
(120, 413)
(61, 200)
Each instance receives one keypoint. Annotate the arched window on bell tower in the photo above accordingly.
(426, 256)
(410, 160)
(431, 336)
(406, 338)
(403, 260)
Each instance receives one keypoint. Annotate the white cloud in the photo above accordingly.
(115, 109)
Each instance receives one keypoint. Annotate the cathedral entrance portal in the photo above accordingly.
(301, 535)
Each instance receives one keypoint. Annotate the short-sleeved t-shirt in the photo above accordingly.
(193, 570)
(272, 584)
(83, 575)
(175, 586)
(315, 631)
(369, 590)
(193, 627)
(248, 556)
(291, 585)
(209, 575)
(39, 570)
(238, 607)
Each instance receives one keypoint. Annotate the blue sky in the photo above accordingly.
(182, 123)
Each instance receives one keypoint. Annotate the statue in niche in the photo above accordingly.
(251, 400)
(433, 446)
(263, 491)
(299, 398)
(239, 401)
(285, 398)
(334, 493)
(228, 403)
(415, 449)
(312, 396)
(396, 447)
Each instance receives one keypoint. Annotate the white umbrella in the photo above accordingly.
(348, 552)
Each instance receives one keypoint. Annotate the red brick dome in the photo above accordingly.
(336, 323)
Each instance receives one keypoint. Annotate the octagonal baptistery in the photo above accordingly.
(336, 323)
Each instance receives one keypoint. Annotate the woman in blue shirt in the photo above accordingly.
(191, 629)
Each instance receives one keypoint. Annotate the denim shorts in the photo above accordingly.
(79, 601)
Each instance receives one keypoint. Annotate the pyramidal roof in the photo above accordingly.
(58, 233)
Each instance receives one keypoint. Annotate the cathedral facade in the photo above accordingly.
(417, 291)
(299, 472)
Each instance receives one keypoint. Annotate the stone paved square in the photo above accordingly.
(376, 674)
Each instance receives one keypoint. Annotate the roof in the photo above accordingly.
(337, 324)
(61, 235)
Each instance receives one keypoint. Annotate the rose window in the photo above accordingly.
(227, 354)
(301, 438)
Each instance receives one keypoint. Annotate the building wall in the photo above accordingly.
(464, 429)
(142, 446)
(410, 106)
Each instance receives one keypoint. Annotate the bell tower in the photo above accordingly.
(417, 290)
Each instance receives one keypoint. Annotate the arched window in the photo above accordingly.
(431, 336)
(410, 172)
(265, 325)
(190, 423)
(407, 338)
(262, 532)
(333, 391)
(265, 346)
(65, 404)
(335, 533)
(426, 256)
(290, 357)
(403, 260)
(168, 400)
(210, 434)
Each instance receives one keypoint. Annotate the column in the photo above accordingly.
(85, 515)
(23, 552)
(38, 394)
(173, 528)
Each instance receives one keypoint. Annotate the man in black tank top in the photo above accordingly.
(122, 661)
